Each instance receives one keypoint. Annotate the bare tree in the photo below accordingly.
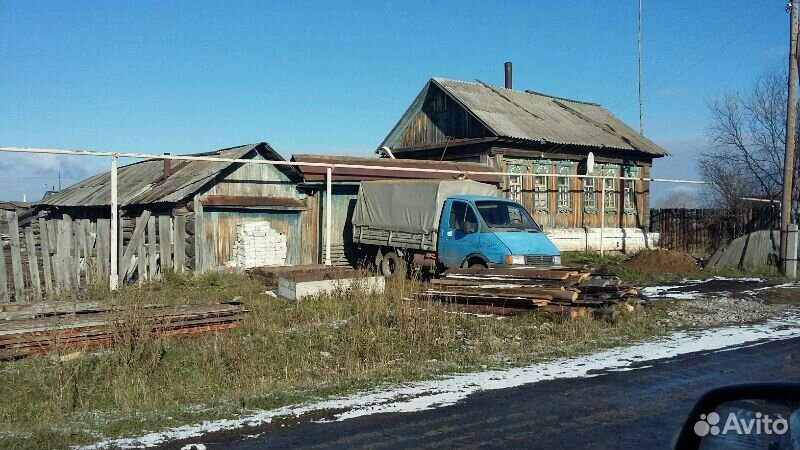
(677, 198)
(748, 133)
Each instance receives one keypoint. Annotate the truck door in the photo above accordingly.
(460, 236)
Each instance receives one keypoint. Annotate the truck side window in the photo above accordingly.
(470, 221)
(457, 212)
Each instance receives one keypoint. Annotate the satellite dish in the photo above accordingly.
(590, 163)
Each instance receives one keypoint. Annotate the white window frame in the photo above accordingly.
(590, 194)
(541, 185)
(611, 174)
(564, 189)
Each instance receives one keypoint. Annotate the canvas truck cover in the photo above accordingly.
(412, 206)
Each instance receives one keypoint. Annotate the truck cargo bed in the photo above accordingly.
(365, 234)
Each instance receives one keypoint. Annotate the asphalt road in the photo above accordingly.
(635, 409)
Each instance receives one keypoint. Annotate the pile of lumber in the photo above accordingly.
(561, 291)
(40, 328)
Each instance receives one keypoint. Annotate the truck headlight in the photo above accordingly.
(514, 259)
(557, 259)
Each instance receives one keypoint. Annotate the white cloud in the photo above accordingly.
(30, 175)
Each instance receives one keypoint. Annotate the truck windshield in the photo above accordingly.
(506, 215)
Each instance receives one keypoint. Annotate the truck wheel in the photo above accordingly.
(392, 266)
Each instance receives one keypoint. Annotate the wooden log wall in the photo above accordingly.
(52, 255)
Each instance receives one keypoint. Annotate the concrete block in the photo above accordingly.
(297, 290)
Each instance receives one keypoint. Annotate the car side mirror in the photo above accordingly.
(744, 416)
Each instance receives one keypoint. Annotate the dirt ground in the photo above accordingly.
(662, 261)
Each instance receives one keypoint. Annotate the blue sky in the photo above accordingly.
(334, 77)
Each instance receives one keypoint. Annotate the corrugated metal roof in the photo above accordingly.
(143, 182)
(311, 173)
(532, 116)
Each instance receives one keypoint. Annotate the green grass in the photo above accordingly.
(283, 353)
(614, 263)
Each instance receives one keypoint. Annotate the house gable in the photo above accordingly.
(432, 118)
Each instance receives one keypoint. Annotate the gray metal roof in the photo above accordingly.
(532, 116)
(144, 183)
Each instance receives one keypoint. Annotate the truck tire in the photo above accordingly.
(392, 266)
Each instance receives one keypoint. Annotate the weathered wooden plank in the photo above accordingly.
(76, 252)
(33, 264)
(3, 276)
(64, 250)
(44, 238)
(141, 257)
(91, 260)
(165, 242)
(152, 252)
(83, 237)
(133, 244)
(103, 248)
(180, 243)
(16, 259)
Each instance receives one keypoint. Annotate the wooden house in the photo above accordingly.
(527, 132)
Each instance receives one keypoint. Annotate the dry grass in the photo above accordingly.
(283, 352)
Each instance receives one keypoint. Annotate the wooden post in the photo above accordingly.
(788, 159)
(33, 263)
(113, 279)
(328, 207)
(16, 259)
(44, 238)
(602, 210)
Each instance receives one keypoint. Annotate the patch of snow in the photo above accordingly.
(446, 391)
(667, 292)
(743, 280)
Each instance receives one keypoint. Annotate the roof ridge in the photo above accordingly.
(526, 91)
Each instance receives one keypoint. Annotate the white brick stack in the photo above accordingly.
(257, 244)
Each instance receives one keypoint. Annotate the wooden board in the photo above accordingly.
(165, 242)
(44, 239)
(133, 245)
(3, 276)
(33, 264)
(152, 251)
(180, 243)
(16, 259)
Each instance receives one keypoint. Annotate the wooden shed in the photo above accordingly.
(190, 216)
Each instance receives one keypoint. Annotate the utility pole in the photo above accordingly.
(788, 159)
(641, 122)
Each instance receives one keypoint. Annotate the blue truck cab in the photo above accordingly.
(479, 231)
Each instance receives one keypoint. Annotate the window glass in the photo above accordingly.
(457, 212)
(564, 197)
(470, 221)
(589, 193)
(610, 185)
(505, 215)
(540, 201)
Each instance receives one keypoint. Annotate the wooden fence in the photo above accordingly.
(701, 231)
(46, 256)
